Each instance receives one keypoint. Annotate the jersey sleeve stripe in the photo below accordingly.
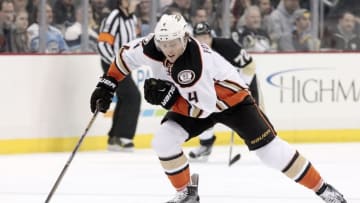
(236, 98)
(121, 63)
(221, 105)
(223, 90)
(115, 72)
(230, 85)
(229, 95)
(195, 112)
(181, 106)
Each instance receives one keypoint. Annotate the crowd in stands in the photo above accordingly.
(257, 25)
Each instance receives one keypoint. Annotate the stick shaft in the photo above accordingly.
(231, 146)
(58, 180)
(235, 159)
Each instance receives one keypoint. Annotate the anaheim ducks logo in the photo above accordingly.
(186, 77)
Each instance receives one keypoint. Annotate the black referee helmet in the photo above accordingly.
(202, 28)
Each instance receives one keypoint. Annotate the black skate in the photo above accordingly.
(117, 144)
(330, 195)
(190, 194)
(201, 153)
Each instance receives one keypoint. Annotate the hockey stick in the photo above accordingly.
(53, 189)
(234, 159)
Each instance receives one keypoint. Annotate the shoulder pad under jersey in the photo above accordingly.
(187, 69)
(150, 50)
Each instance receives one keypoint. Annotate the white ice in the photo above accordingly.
(109, 177)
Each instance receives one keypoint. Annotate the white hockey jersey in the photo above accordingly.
(206, 81)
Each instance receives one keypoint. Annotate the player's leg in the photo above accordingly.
(207, 139)
(174, 131)
(281, 156)
(253, 86)
(167, 145)
(256, 92)
(125, 116)
(256, 130)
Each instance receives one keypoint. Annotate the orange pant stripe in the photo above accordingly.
(311, 179)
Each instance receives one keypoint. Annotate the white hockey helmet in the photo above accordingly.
(170, 27)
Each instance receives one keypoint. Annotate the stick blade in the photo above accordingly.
(235, 159)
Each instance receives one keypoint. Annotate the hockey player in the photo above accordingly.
(189, 83)
(238, 57)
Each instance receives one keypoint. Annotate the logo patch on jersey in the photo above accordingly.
(186, 77)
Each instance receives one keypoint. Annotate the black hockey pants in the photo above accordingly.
(127, 108)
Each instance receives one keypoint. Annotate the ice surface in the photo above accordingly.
(115, 177)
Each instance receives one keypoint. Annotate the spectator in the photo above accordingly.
(31, 8)
(19, 37)
(303, 3)
(8, 18)
(64, 13)
(337, 8)
(54, 42)
(238, 8)
(275, 3)
(100, 11)
(265, 10)
(20, 5)
(300, 38)
(164, 3)
(209, 6)
(218, 20)
(2, 36)
(282, 19)
(183, 6)
(251, 36)
(143, 13)
(73, 33)
(265, 7)
(344, 37)
(92, 22)
(200, 15)
(176, 11)
(204, 11)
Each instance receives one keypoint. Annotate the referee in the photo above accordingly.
(118, 28)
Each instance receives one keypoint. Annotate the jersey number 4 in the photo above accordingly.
(192, 96)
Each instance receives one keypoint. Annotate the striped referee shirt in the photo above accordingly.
(115, 30)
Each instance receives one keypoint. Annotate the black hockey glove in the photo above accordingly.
(160, 92)
(103, 93)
